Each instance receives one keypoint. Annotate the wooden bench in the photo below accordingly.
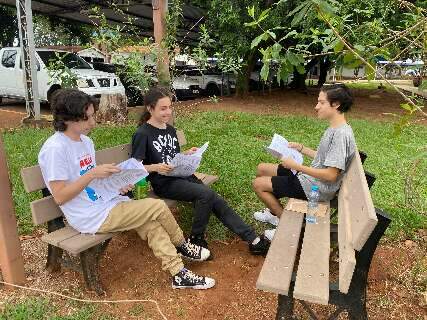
(360, 227)
(67, 246)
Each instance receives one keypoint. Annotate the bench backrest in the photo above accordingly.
(356, 219)
(46, 209)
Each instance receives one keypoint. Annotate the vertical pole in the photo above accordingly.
(160, 8)
(11, 263)
(28, 58)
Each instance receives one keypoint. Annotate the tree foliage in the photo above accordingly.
(8, 26)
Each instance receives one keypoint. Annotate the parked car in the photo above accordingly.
(210, 81)
(90, 81)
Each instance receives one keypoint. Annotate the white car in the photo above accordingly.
(90, 81)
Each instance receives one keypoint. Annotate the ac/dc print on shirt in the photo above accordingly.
(86, 164)
(153, 145)
(166, 146)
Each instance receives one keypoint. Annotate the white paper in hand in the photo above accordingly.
(184, 165)
(201, 150)
(109, 188)
(279, 148)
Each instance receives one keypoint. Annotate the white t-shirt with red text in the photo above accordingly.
(63, 159)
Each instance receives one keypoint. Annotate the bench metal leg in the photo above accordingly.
(285, 305)
(54, 254)
(89, 264)
(89, 260)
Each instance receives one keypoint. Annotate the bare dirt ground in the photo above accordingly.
(130, 271)
(369, 104)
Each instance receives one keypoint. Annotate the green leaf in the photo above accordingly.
(251, 11)
(263, 15)
(348, 57)
(301, 14)
(272, 34)
(289, 34)
(250, 24)
(339, 46)
(264, 71)
(300, 68)
(276, 49)
(257, 40)
(359, 48)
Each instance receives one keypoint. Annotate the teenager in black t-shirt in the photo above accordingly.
(156, 143)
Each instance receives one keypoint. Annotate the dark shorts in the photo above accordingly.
(286, 184)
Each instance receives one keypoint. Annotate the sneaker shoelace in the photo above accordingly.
(192, 248)
(192, 276)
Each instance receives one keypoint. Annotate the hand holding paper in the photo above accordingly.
(131, 172)
(279, 148)
(184, 165)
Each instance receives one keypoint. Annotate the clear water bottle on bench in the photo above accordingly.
(313, 205)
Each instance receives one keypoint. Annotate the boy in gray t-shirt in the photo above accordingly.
(330, 160)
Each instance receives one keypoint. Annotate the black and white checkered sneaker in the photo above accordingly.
(193, 252)
(186, 279)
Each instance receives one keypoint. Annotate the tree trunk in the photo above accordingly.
(325, 65)
(243, 79)
(112, 109)
(299, 79)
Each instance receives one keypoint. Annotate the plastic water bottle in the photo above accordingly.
(141, 188)
(313, 204)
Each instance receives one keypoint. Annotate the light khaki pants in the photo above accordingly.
(154, 222)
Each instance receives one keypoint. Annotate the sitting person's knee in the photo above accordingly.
(260, 170)
(257, 184)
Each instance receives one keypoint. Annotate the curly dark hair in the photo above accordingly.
(340, 94)
(70, 105)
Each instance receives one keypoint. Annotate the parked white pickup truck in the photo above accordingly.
(90, 81)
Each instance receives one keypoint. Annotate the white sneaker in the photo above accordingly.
(266, 216)
(269, 234)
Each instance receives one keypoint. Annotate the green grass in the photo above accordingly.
(368, 85)
(43, 309)
(235, 149)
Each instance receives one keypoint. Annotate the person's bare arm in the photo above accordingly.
(63, 192)
(329, 174)
(303, 149)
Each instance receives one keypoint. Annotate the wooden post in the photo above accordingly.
(11, 263)
(160, 7)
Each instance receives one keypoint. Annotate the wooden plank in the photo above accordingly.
(115, 154)
(81, 242)
(354, 192)
(44, 210)
(32, 178)
(55, 237)
(207, 179)
(312, 280)
(181, 138)
(347, 259)
(276, 272)
(169, 202)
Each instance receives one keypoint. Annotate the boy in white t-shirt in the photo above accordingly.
(67, 162)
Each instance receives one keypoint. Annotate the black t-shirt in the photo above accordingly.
(153, 145)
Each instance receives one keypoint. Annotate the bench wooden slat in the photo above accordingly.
(81, 242)
(55, 237)
(207, 179)
(44, 210)
(169, 202)
(355, 192)
(312, 280)
(115, 154)
(276, 272)
(32, 179)
(347, 259)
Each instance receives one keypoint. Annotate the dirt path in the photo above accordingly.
(369, 104)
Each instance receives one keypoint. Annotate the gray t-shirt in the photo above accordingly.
(336, 150)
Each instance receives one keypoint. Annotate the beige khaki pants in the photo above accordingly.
(154, 222)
